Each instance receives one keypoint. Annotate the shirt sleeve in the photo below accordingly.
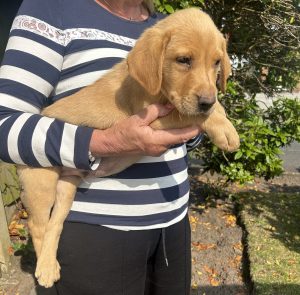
(194, 142)
(29, 73)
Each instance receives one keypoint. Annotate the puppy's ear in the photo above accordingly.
(225, 67)
(145, 60)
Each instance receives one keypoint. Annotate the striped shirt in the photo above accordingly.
(55, 48)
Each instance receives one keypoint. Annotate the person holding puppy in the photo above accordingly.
(128, 233)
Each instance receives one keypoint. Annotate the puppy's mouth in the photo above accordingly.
(193, 105)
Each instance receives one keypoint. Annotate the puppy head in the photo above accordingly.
(181, 57)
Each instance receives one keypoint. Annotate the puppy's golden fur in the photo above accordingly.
(176, 61)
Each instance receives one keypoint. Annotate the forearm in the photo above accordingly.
(103, 145)
(31, 70)
(134, 136)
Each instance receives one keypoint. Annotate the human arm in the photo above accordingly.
(123, 144)
(30, 71)
(134, 136)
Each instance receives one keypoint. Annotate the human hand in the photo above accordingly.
(134, 136)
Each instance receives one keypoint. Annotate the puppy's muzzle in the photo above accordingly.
(205, 103)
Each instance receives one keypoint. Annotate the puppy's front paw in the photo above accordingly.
(47, 272)
(225, 137)
(233, 140)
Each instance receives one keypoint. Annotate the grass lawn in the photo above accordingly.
(272, 223)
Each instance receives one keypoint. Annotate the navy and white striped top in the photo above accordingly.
(55, 48)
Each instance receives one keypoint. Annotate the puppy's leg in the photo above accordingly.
(219, 108)
(218, 128)
(113, 165)
(48, 269)
(221, 132)
(38, 197)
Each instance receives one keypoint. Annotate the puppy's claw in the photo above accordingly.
(47, 274)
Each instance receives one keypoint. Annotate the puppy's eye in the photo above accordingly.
(186, 60)
(218, 62)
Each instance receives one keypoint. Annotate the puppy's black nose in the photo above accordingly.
(205, 103)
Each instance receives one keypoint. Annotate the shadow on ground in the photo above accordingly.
(234, 290)
(283, 217)
(288, 189)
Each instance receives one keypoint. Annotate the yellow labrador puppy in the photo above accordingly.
(177, 61)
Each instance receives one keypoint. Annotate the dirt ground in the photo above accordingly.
(219, 264)
(217, 247)
(220, 261)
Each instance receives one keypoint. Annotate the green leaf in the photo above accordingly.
(238, 155)
(169, 8)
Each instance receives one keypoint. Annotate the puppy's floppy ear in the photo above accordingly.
(145, 60)
(225, 67)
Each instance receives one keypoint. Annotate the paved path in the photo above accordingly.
(291, 158)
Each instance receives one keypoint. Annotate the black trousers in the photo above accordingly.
(97, 260)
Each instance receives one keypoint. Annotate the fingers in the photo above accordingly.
(161, 140)
(154, 111)
(175, 136)
(155, 142)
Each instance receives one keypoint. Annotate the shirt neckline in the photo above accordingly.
(114, 16)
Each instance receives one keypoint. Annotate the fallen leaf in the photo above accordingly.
(199, 246)
(23, 214)
(12, 224)
(193, 219)
(212, 276)
(209, 270)
(214, 282)
(236, 261)
(238, 258)
(14, 232)
(238, 246)
(10, 250)
(14, 228)
(230, 220)
(205, 223)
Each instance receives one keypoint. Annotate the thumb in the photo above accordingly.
(154, 111)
